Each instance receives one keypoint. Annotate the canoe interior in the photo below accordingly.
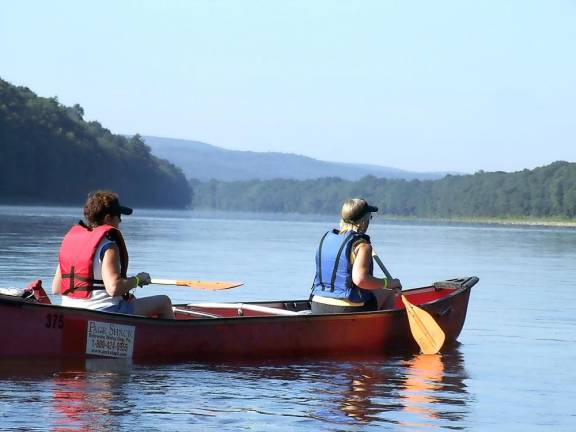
(417, 296)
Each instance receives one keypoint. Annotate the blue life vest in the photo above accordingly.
(333, 267)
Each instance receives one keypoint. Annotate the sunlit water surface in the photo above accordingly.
(513, 369)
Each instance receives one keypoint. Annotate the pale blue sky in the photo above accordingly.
(417, 85)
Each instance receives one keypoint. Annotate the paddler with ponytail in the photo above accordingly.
(93, 264)
(344, 281)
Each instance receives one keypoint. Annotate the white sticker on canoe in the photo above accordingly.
(110, 340)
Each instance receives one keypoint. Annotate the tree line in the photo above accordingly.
(544, 192)
(50, 155)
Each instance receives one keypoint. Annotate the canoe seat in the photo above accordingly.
(455, 284)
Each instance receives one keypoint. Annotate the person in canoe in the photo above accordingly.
(93, 262)
(344, 281)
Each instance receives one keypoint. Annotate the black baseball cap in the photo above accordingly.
(118, 209)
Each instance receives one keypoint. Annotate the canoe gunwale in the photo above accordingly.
(466, 285)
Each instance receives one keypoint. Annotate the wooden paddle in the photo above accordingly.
(425, 330)
(204, 285)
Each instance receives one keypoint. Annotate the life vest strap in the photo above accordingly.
(335, 269)
(320, 261)
(74, 277)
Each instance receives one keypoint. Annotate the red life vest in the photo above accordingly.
(77, 259)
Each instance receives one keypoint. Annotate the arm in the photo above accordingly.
(114, 283)
(57, 282)
(361, 270)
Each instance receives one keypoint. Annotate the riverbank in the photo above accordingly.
(551, 223)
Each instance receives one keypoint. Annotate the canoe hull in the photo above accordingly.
(51, 331)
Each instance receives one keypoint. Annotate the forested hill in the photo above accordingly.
(545, 192)
(50, 155)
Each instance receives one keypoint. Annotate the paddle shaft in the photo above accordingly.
(381, 265)
(205, 285)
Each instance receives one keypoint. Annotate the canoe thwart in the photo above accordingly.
(195, 313)
(240, 307)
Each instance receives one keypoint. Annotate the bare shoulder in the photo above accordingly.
(111, 251)
(363, 246)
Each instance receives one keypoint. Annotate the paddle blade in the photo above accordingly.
(204, 285)
(426, 331)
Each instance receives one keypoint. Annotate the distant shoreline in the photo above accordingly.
(551, 223)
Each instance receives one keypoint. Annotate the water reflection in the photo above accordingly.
(81, 395)
(414, 392)
(434, 390)
(424, 376)
(92, 397)
(422, 391)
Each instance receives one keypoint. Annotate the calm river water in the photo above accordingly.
(514, 369)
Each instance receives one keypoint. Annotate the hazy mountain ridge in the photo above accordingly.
(205, 162)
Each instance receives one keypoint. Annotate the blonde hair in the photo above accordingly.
(349, 209)
(360, 226)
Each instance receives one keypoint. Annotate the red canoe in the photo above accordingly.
(224, 331)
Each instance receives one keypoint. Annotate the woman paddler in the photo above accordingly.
(344, 281)
(93, 262)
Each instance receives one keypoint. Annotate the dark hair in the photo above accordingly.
(99, 204)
